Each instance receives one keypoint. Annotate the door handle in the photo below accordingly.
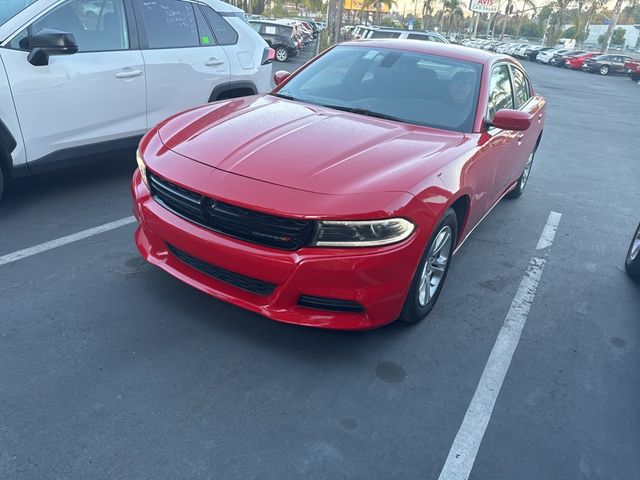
(212, 62)
(129, 74)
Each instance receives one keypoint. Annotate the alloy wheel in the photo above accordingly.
(635, 247)
(525, 174)
(281, 55)
(435, 266)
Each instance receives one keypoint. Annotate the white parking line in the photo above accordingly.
(43, 247)
(467, 442)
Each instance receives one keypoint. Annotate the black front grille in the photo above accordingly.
(249, 284)
(323, 303)
(249, 225)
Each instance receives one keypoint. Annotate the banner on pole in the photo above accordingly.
(483, 6)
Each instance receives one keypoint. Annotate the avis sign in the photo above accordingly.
(484, 6)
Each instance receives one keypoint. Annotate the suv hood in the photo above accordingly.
(307, 147)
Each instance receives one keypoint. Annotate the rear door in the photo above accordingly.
(183, 61)
(87, 98)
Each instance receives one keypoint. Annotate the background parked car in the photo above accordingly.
(279, 36)
(634, 69)
(559, 59)
(576, 62)
(85, 86)
(607, 64)
(407, 34)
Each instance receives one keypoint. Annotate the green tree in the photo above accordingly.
(618, 36)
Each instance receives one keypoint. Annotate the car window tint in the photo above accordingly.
(385, 35)
(521, 85)
(500, 93)
(224, 33)
(417, 36)
(255, 26)
(206, 38)
(170, 24)
(97, 25)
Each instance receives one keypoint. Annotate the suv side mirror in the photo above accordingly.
(280, 76)
(49, 42)
(508, 119)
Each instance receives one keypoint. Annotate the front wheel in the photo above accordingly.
(604, 70)
(432, 270)
(282, 54)
(522, 181)
(632, 263)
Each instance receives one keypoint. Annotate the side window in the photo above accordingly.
(255, 26)
(224, 33)
(169, 23)
(206, 37)
(97, 25)
(417, 36)
(500, 93)
(521, 85)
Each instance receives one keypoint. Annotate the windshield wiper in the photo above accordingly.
(284, 95)
(364, 111)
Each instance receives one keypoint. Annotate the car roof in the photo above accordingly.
(457, 52)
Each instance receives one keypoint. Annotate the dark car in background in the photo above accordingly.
(607, 64)
(279, 36)
(632, 262)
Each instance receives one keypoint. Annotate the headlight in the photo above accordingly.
(371, 233)
(142, 167)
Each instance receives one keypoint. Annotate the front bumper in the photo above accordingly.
(375, 278)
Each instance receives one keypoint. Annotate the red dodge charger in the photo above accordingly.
(339, 199)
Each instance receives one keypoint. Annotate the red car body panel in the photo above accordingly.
(302, 161)
(577, 62)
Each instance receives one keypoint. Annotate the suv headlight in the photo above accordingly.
(142, 167)
(371, 233)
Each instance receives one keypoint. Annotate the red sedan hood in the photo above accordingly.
(307, 147)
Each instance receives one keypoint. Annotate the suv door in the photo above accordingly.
(93, 96)
(183, 60)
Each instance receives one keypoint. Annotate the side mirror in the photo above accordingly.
(280, 76)
(508, 119)
(49, 42)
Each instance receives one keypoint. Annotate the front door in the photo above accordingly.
(93, 96)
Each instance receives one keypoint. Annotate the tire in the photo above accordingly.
(604, 70)
(423, 294)
(522, 181)
(635, 77)
(1, 183)
(282, 54)
(632, 262)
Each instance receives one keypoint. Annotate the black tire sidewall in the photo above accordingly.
(633, 267)
(412, 311)
(286, 53)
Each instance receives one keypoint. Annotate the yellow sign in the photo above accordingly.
(357, 5)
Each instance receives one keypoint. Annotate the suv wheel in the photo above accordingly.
(604, 69)
(632, 263)
(282, 54)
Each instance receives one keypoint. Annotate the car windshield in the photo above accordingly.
(9, 8)
(409, 87)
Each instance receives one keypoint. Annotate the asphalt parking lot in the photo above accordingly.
(112, 369)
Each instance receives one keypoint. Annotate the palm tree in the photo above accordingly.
(525, 4)
(427, 8)
(561, 7)
(378, 4)
(612, 25)
(450, 8)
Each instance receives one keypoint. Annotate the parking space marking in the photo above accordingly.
(43, 247)
(465, 446)
(546, 239)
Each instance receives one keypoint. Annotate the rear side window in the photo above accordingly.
(170, 24)
(385, 35)
(521, 85)
(500, 93)
(417, 36)
(224, 33)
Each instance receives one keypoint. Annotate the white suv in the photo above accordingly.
(82, 77)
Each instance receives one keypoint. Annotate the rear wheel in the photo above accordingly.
(632, 263)
(604, 70)
(1, 183)
(432, 270)
(282, 54)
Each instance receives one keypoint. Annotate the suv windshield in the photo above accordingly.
(8, 8)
